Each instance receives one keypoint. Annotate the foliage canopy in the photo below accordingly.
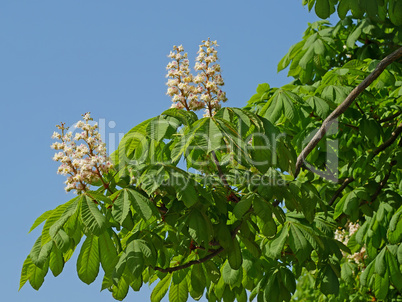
(295, 196)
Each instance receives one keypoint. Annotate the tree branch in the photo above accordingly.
(341, 188)
(202, 260)
(223, 178)
(389, 141)
(383, 182)
(345, 105)
(391, 117)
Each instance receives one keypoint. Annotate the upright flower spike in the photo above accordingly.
(82, 163)
(209, 79)
(180, 86)
(201, 91)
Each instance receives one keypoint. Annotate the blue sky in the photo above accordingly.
(60, 59)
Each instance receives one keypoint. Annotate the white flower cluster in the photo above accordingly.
(343, 235)
(200, 91)
(85, 162)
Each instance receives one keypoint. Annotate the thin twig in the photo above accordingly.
(223, 178)
(346, 182)
(202, 260)
(390, 118)
(389, 141)
(343, 106)
(383, 182)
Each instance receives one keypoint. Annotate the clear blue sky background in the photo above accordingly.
(60, 59)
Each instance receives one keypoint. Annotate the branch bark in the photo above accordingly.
(202, 260)
(345, 105)
(389, 141)
(341, 188)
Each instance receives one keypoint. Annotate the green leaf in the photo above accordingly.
(39, 254)
(394, 272)
(380, 265)
(288, 279)
(276, 246)
(224, 236)
(91, 216)
(231, 276)
(323, 9)
(234, 255)
(178, 291)
(59, 215)
(198, 227)
(367, 273)
(88, 260)
(40, 219)
(107, 253)
(319, 105)
(161, 288)
(399, 254)
(212, 271)
(347, 272)
(271, 292)
(121, 206)
(120, 290)
(186, 117)
(242, 207)
(37, 275)
(381, 285)
(142, 205)
(329, 282)
(298, 243)
(343, 9)
(135, 258)
(25, 272)
(198, 280)
(56, 261)
(129, 143)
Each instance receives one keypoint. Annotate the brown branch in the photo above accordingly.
(330, 176)
(188, 264)
(383, 182)
(346, 182)
(199, 261)
(222, 177)
(343, 106)
(390, 118)
(389, 141)
(385, 145)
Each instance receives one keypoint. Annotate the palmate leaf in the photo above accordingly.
(121, 205)
(197, 278)
(178, 291)
(329, 283)
(107, 253)
(25, 272)
(298, 243)
(186, 117)
(142, 205)
(88, 260)
(40, 219)
(91, 216)
(56, 261)
(231, 276)
(129, 143)
(281, 104)
(161, 288)
(234, 255)
(120, 290)
(56, 214)
(199, 227)
(37, 275)
(39, 254)
(276, 246)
